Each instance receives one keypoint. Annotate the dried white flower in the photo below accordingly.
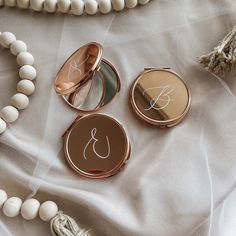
(223, 57)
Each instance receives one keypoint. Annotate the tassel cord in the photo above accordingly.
(64, 225)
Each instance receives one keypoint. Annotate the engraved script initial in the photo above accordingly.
(93, 142)
(75, 66)
(163, 94)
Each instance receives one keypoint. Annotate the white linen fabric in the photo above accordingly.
(179, 181)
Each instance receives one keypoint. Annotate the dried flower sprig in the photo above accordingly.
(223, 57)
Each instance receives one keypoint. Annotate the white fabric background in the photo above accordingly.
(179, 181)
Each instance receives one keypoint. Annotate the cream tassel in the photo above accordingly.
(64, 225)
(223, 57)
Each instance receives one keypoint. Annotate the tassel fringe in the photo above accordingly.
(223, 58)
(64, 225)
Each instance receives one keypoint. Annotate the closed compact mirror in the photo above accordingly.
(160, 97)
(96, 146)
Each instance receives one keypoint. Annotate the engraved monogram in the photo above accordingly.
(75, 66)
(93, 141)
(163, 94)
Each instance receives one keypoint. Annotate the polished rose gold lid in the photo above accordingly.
(96, 146)
(78, 69)
(86, 81)
(160, 97)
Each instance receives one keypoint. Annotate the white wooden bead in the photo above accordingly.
(17, 47)
(27, 72)
(20, 101)
(30, 209)
(118, 5)
(11, 207)
(105, 6)
(10, 3)
(26, 87)
(3, 127)
(48, 210)
(143, 2)
(25, 58)
(131, 3)
(50, 6)
(9, 114)
(3, 197)
(23, 3)
(64, 5)
(6, 39)
(36, 5)
(77, 7)
(91, 7)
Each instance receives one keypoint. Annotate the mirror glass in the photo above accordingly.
(112, 81)
(97, 91)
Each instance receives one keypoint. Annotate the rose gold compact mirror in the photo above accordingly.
(95, 145)
(160, 97)
(86, 81)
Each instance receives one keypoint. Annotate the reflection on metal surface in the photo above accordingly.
(88, 97)
(78, 68)
(86, 81)
(160, 97)
(163, 94)
(96, 146)
(98, 91)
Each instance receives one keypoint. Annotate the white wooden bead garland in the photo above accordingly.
(61, 224)
(25, 87)
(75, 7)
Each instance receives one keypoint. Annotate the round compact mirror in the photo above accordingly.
(160, 97)
(96, 92)
(86, 81)
(96, 146)
(78, 68)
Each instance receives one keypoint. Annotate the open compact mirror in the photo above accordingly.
(95, 145)
(86, 81)
(160, 97)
